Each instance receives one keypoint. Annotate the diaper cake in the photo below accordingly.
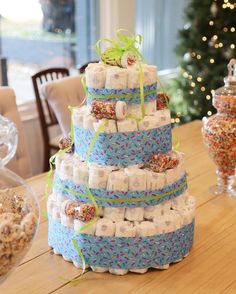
(119, 200)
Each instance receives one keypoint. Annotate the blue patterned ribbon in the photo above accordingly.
(126, 148)
(122, 252)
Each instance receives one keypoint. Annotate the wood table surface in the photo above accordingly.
(209, 268)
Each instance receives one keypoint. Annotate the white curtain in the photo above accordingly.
(158, 21)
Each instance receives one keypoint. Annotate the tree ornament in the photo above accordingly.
(187, 57)
(214, 9)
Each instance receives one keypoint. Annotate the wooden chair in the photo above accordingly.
(46, 115)
(83, 67)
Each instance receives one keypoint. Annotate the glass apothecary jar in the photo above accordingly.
(19, 211)
(219, 133)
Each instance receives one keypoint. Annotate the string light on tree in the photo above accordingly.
(209, 113)
(208, 37)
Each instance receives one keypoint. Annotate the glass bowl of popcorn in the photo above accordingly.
(19, 211)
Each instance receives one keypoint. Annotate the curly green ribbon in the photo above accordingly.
(122, 43)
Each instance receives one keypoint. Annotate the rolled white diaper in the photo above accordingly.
(78, 115)
(179, 201)
(66, 220)
(114, 213)
(109, 127)
(134, 77)
(157, 211)
(99, 269)
(58, 161)
(60, 198)
(118, 272)
(164, 116)
(181, 166)
(145, 229)
(80, 173)
(127, 125)
(155, 181)
(116, 78)
(118, 181)
(98, 176)
(66, 168)
(100, 211)
(95, 76)
(56, 213)
(172, 175)
(51, 203)
(152, 73)
(78, 225)
(134, 109)
(187, 215)
(137, 179)
(191, 202)
(125, 229)
(169, 222)
(148, 122)
(134, 214)
(105, 227)
(153, 211)
(88, 121)
(150, 107)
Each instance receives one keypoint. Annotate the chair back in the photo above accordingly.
(20, 163)
(60, 94)
(46, 115)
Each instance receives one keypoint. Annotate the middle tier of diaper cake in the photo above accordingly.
(120, 192)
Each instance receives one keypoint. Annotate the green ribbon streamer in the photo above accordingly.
(93, 141)
(141, 90)
(84, 85)
(158, 196)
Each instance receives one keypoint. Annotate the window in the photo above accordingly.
(48, 33)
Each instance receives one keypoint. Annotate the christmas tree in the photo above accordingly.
(206, 44)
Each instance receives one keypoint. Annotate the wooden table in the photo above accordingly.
(210, 267)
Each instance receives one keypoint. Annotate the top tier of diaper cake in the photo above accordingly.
(124, 121)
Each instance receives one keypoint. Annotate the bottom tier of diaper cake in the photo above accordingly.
(163, 236)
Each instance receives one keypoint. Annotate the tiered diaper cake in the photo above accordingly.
(119, 200)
